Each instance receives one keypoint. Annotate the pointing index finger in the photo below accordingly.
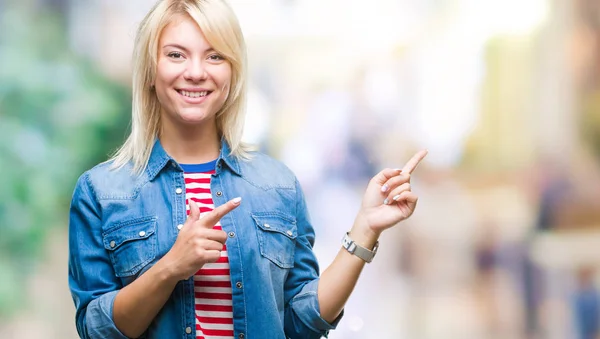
(211, 218)
(414, 161)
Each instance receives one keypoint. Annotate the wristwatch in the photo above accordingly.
(358, 250)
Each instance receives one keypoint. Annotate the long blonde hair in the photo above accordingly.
(221, 29)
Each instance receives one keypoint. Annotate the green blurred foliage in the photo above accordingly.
(58, 116)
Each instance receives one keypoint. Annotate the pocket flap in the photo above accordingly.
(276, 222)
(129, 231)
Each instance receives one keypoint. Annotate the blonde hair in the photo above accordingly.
(221, 29)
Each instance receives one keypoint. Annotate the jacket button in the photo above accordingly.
(178, 190)
(142, 233)
(188, 330)
(180, 226)
(267, 226)
(238, 284)
(241, 336)
(289, 233)
(113, 244)
(219, 193)
(231, 234)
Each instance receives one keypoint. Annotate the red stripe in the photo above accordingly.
(215, 320)
(214, 308)
(202, 209)
(206, 283)
(189, 180)
(198, 190)
(213, 271)
(222, 260)
(213, 296)
(208, 201)
(223, 333)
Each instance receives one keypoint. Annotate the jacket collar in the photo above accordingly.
(159, 159)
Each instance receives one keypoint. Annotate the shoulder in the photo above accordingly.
(106, 181)
(265, 171)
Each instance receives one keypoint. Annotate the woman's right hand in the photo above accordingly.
(198, 243)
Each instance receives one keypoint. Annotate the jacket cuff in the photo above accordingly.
(99, 318)
(306, 306)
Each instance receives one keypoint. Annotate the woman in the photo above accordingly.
(150, 254)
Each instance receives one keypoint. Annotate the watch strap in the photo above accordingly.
(357, 250)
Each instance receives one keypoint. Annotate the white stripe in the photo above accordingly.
(220, 302)
(213, 314)
(217, 326)
(215, 266)
(198, 196)
(197, 175)
(199, 333)
(226, 290)
(197, 185)
(213, 277)
(211, 207)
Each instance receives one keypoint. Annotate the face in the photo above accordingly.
(192, 80)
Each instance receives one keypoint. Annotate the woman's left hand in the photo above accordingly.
(387, 200)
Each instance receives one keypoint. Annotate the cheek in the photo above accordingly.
(225, 82)
(166, 73)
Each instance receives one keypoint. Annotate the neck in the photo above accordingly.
(191, 145)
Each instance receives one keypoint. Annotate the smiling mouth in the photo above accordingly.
(194, 94)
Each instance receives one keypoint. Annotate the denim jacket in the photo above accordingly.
(121, 224)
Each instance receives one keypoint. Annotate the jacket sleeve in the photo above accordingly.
(302, 314)
(92, 280)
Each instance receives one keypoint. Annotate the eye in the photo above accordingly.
(216, 57)
(175, 55)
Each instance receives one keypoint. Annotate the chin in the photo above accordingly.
(194, 117)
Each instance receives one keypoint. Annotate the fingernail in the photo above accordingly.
(384, 188)
(386, 202)
(236, 200)
(398, 169)
(396, 197)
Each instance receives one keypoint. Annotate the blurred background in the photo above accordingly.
(505, 95)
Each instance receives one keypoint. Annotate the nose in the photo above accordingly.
(195, 71)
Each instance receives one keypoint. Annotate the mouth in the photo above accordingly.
(194, 94)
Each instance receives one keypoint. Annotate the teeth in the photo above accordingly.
(193, 94)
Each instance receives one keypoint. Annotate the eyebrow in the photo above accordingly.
(185, 49)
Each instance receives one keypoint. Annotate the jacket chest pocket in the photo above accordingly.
(131, 245)
(276, 237)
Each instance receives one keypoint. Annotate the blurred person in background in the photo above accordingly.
(586, 305)
(186, 231)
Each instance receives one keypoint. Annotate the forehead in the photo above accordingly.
(184, 31)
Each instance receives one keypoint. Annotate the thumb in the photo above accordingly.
(194, 211)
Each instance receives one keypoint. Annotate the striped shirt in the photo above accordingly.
(212, 283)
